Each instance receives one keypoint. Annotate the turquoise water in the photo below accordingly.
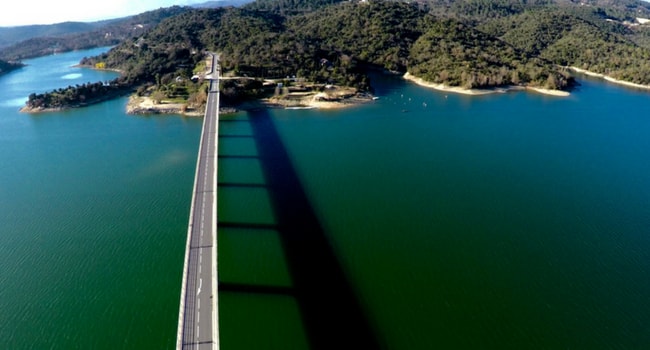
(506, 221)
(93, 217)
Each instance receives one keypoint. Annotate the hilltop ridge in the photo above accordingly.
(457, 43)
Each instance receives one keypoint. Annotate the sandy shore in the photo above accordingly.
(610, 79)
(559, 93)
(335, 99)
(454, 89)
(146, 105)
(98, 69)
(311, 104)
(460, 90)
(30, 110)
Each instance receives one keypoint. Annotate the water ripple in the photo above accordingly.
(14, 102)
(72, 76)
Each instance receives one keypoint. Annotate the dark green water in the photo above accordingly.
(503, 222)
(93, 218)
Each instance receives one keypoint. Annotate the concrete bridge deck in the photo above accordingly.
(198, 314)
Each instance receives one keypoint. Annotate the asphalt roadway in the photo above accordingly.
(198, 314)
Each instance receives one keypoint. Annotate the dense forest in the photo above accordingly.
(6, 67)
(485, 61)
(77, 96)
(466, 43)
(572, 40)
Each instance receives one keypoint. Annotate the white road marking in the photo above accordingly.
(209, 171)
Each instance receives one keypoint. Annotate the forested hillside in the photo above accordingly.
(466, 43)
(6, 67)
(75, 37)
(570, 40)
(454, 54)
(12, 35)
(332, 44)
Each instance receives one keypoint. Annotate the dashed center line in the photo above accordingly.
(199, 241)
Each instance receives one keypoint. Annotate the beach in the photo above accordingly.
(610, 79)
(146, 105)
(334, 97)
(464, 91)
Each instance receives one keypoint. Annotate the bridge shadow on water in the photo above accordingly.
(329, 309)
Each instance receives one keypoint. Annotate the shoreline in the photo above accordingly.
(455, 89)
(39, 110)
(90, 102)
(550, 92)
(325, 97)
(476, 92)
(312, 102)
(609, 79)
(98, 69)
(143, 105)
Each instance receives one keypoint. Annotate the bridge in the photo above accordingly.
(198, 313)
(329, 314)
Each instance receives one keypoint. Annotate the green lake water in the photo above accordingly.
(505, 221)
(93, 217)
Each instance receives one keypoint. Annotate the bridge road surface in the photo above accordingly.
(198, 313)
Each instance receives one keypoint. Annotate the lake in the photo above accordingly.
(504, 221)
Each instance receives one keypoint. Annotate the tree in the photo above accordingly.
(157, 96)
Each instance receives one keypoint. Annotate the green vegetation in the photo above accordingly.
(6, 67)
(379, 33)
(467, 43)
(75, 96)
(569, 39)
(453, 54)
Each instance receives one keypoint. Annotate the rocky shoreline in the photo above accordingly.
(142, 105)
(32, 110)
(335, 98)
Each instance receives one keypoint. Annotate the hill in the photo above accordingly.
(591, 41)
(464, 43)
(78, 36)
(12, 35)
(222, 3)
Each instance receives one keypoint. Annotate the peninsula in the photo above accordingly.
(6, 67)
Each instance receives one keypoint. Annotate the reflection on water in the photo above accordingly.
(163, 163)
(15, 102)
(72, 76)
